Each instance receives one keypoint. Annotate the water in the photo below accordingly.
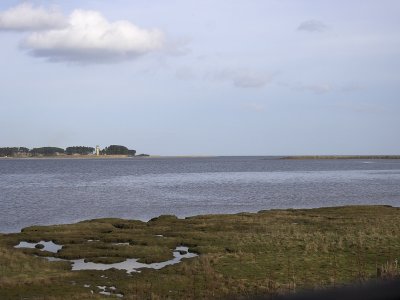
(132, 264)
(129, 265)
(53, 191)
(47, 246)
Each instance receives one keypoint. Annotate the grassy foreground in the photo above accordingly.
(268, 252)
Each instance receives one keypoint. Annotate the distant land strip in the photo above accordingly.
(73, 151)
(342, 157)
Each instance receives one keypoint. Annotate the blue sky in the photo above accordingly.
(202, 77)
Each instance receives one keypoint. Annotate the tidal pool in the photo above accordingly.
(131, 264)
(47, 246)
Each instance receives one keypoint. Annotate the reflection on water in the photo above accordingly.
(56, 191)
(45, 246)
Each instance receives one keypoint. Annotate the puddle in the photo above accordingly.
(48, 246)
(108, 291)
(104, 290)
(131, 264)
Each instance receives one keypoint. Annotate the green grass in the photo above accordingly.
(274, 251)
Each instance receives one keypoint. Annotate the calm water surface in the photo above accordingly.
(52, 191)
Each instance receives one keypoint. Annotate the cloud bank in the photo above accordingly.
(90, 37)
(84, 36)
(25, 17)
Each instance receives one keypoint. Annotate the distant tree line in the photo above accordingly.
(54, 151)
(47, 151)
(12, 151)
(82, 150)
(118, 150)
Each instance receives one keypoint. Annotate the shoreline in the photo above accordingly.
(71, 157)
(105, 157)
(270, 210)
(316, 157)
(278, 157)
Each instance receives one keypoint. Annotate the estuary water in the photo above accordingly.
(54, 191)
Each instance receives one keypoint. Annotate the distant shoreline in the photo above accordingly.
(342, 157)
(102, 157)
(289, 157)
(72, 157)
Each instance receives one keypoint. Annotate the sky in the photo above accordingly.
(209, 77)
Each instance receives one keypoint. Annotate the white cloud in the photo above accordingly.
(312, 26)
(242, 78)
(89, 37)
(25, 17)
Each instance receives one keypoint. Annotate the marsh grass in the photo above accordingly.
(270, 252)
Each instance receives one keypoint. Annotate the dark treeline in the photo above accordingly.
(11, 151)
(46, 151)
(82, 150)
(118, 150)
(55, 151)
